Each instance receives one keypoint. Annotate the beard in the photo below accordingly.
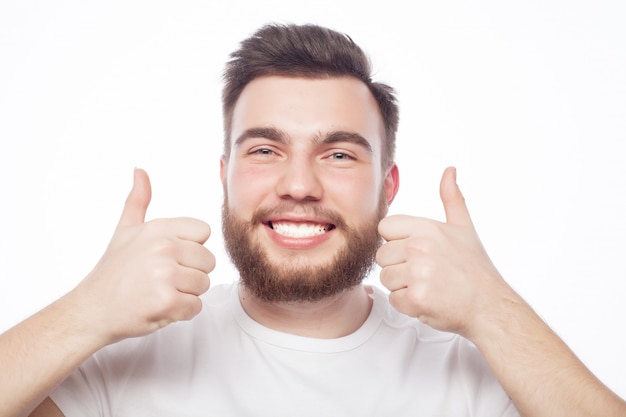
(292, 279)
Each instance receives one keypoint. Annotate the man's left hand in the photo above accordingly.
(440, 272)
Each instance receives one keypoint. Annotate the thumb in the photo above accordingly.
(452, 199)
(137, 201)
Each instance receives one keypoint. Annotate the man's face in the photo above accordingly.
(304, 187)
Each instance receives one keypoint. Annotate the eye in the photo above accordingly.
(262, 152)
(341, 156)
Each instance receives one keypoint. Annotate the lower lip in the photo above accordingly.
(298, 242)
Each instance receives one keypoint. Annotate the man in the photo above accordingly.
(308, 175)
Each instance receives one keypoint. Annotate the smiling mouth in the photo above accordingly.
(300, 230)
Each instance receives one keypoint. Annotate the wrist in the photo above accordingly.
(503, 313)
(77, 318)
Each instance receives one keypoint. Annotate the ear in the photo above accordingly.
(392, 183)
(223, 168)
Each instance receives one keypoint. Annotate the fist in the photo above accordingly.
(439, 272)
(151, 274)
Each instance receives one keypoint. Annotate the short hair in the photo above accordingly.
(308, 51)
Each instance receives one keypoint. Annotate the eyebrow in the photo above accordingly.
(344, 136)
(263, 132)
(277, 135)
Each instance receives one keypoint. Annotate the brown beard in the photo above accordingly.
(293, 283)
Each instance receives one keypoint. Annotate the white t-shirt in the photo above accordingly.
(223, 363)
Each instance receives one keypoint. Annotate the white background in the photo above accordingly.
(527, 99)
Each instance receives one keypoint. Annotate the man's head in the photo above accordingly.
(306, 51)
(305, 175)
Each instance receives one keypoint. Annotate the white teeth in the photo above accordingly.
(299, 229)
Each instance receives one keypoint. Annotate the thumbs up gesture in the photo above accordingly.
(150, 275)
(440, 272)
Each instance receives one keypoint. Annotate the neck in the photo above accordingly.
(332, 317)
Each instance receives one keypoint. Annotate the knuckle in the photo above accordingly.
(198, 283)
(417, 246)
(205, 284)
(432, 226)
(154, 226)
(416, 296)
(163, 322)
(380, 255)
(207, 229)
(167, 301)
(165, 272)
(414, 245)
(190, 309)
(421, 270)
(382, 225)
(210, 262)
(402, 304)
(384, 277)
(165, 246)
(395, 302)
(200, 226)
(195, 308)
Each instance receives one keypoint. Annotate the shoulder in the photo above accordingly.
(431, 358)
(456, 350)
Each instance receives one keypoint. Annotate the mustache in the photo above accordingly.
(301, 209)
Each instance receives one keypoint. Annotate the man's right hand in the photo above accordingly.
(150, 275)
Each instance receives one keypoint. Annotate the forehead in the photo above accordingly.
(303, 108)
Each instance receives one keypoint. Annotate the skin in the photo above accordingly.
(436, 271)
(441, 274)
(150, 275)
(286, 150)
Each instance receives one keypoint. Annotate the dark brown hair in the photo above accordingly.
(304, 51)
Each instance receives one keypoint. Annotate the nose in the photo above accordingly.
(299, 180)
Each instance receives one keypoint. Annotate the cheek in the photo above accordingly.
(357, 196)
(247, 187)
